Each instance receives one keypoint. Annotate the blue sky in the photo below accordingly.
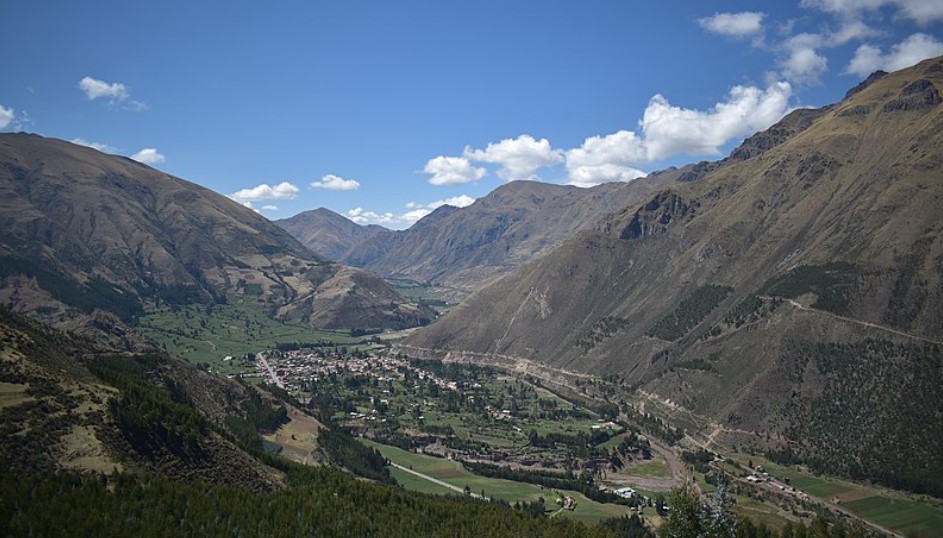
(381, 110)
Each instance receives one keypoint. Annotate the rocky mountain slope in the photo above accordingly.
(67, 406)
(459, 250)
(794, 288)
(82, 231)
(327, 233)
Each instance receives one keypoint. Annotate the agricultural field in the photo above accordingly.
(420, 292)
(906, 514)
(512, 492)
(206, 334)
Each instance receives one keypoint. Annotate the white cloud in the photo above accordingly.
(850, 31)
(908, 52)
(803, 64)
(606, 158)
(6, 116)
(270, 208)
(665, 131)
(462, 200)
(363, 216)
(737, 25)
(335, 183)
(95, 88)
(411, 217)
(282, 191)
(919, 11)
(149, 156)
(590, 176)
(452, 171)
(518, 157)
(669, 130)
(104, 148)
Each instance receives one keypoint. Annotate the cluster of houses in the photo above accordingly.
(294, 368)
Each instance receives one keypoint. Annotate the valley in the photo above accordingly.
(748, 347)
(451, 427)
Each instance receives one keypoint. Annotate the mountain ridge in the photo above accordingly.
(460, 249)
(731, 294)
(327, 233)
(85, 231)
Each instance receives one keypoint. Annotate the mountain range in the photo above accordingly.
(790, 290)
(784, 301)
(82, 233)
(458, 250)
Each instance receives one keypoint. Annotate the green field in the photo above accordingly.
(893, 510)
(819, 487)
(903, 515)
(453, 473)
(414, 483)
(205, 334)
(649, 469)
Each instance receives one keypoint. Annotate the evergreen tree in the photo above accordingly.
(685, 514)
(719, 519)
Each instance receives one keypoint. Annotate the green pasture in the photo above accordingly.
(208, 333)
(905, 516)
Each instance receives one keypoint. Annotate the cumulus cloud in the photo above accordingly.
(665, 131)
(104, 148)
(849, 31)
(669, 130)
(920, 11)
(518, 157)
(462, 200)
(335, 183)
(391, 220)
(410, 217)
(95, 89)
(270, 208)
(908, 52)
(452, 171)
(736, 25)
(149, 156)
(282, 191)
(6, 116)
(362, 216)
(802, 63)
(801, 60)
(606, 158)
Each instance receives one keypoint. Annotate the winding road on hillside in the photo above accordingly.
(800, 306)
